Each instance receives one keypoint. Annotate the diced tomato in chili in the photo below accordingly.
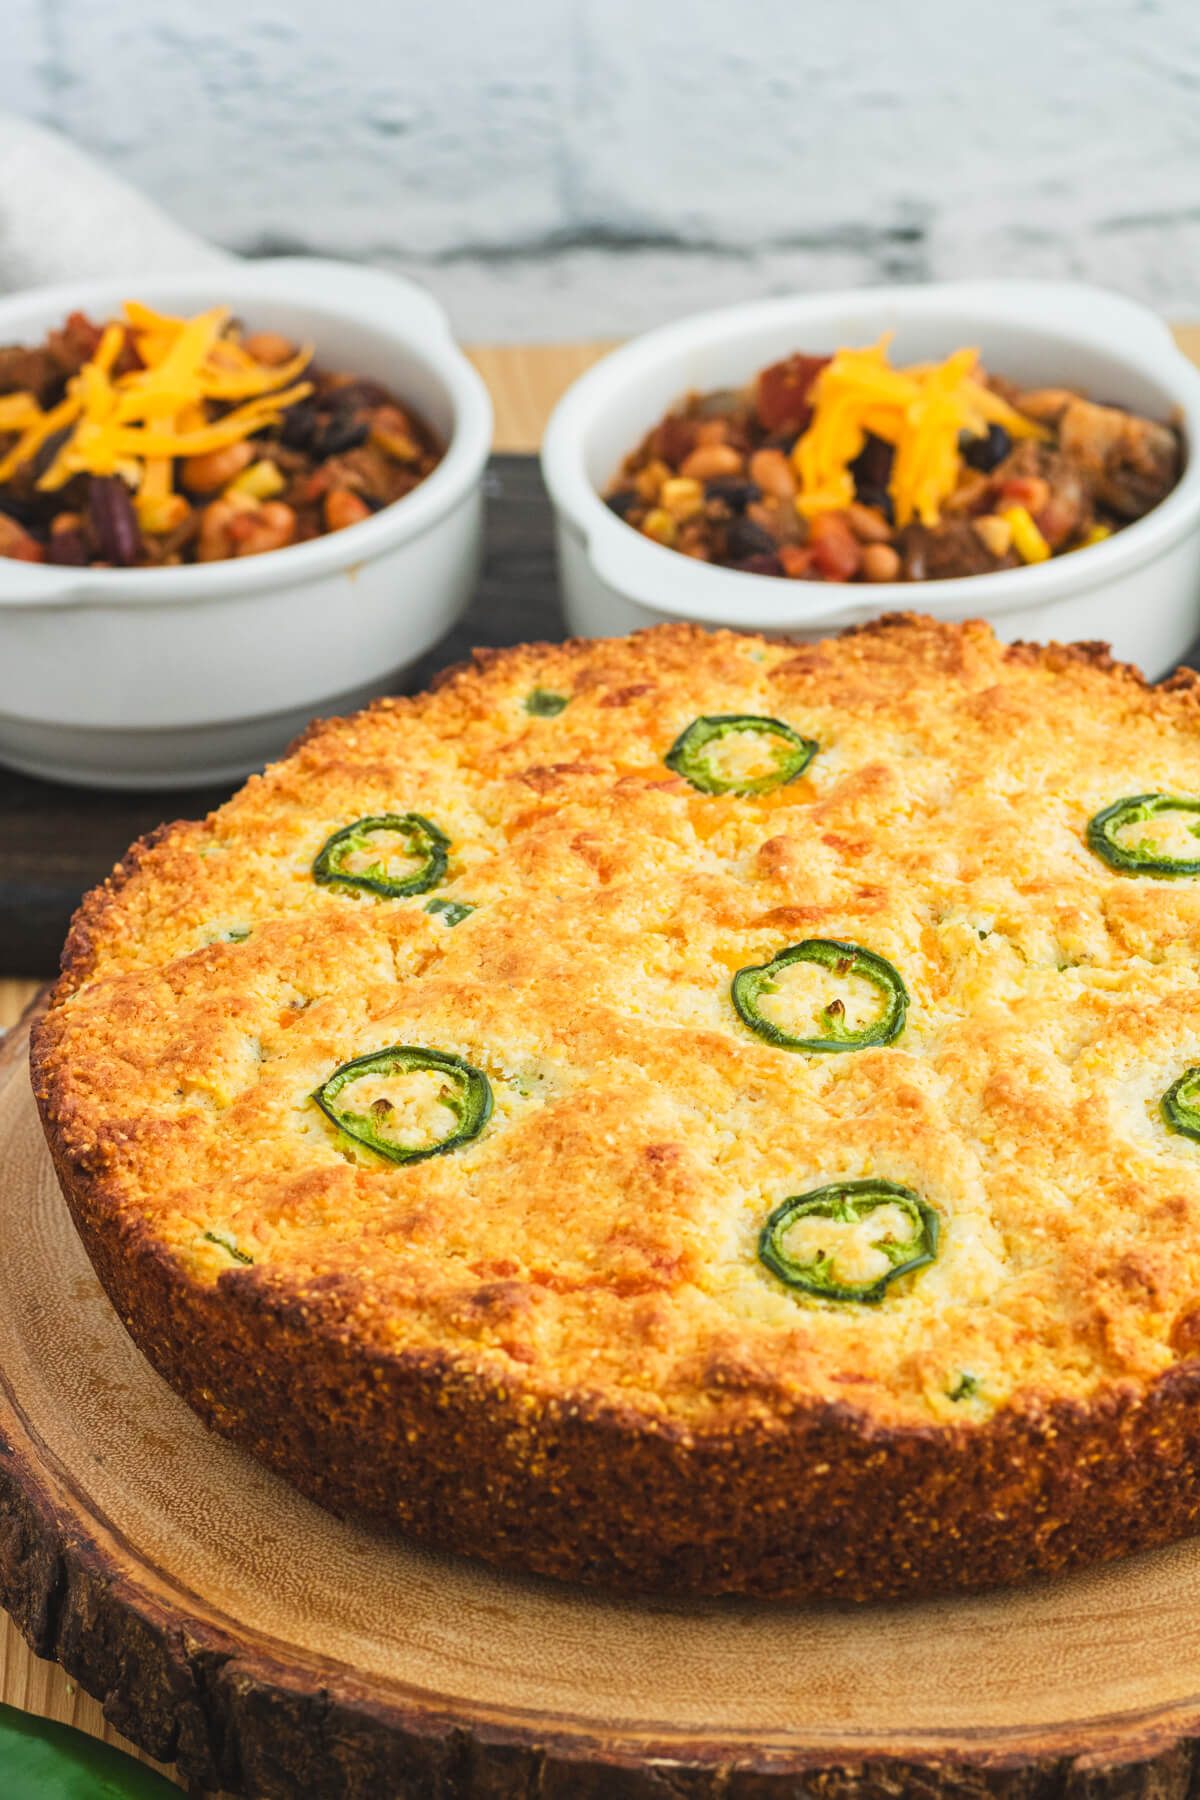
(836, 552)
(796, 561)
(781, 393)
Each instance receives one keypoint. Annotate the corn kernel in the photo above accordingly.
(648, 480)
(1028, 541)
(261, 481)
(158, 514)
(681, 497)
(660, 526)
(994, 533)
(1096, 535)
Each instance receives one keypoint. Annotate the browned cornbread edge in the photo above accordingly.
(581, 1488)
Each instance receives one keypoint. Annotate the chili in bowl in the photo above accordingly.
(152, 440)
(198, 648)
(1018, 451)
(844, 468)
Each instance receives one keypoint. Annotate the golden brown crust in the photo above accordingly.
(557, 1349)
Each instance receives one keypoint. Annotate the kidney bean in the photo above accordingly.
(114, 521)
(836, 552)
(746, 539)
(67, 548)
(759, 565)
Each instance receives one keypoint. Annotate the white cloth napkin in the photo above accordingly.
(63, 217)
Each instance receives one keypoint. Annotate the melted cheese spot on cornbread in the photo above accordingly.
(1168, 833)
(800, 992)
(412, 1107)
(599, 1236)
(745, 755)
(385, 853)
(850, 1247)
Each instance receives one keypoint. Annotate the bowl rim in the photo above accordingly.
(386, 303)
(660, 579)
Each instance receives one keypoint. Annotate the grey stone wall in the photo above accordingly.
(578, 167)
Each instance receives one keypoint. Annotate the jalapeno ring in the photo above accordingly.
(453, 911)
(226, 1241)
(690, 754)
(1180, 1105)
(421, 838)
(544, 703)
(1139, 859)
(470, 1100)
(844, 959)
(847, 1203)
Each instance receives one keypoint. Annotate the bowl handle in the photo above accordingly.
(353, 285)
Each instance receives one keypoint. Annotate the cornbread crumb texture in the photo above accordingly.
(599, 1236)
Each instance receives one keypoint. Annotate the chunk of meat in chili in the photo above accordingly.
(942, 552)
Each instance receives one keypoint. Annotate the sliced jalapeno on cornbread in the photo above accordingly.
(1180, 1105)
(226, 1241)
(849, 1240)
(543, 703)
(739, 753)
(850, 961)
(375, 1100)
(453, 912)
(372, 854)
(1113, 836)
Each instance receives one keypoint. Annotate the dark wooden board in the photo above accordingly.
(57, 841)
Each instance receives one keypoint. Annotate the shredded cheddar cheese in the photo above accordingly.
(921, 411)
(133, 424)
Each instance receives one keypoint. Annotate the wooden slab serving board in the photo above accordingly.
(276, 1652)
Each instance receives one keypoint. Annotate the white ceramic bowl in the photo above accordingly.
(156, 677)
(1139, 590)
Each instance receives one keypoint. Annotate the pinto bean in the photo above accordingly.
(343, 508)
(216, 469)
(880, 563)
(711, 460)
(773, 473)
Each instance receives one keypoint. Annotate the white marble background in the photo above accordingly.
(560, 168)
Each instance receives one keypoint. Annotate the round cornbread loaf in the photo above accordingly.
(555, 1342)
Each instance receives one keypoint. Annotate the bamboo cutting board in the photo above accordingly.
(1127, 1677)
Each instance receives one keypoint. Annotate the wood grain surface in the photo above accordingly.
(524, 383)
(277, 1652)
